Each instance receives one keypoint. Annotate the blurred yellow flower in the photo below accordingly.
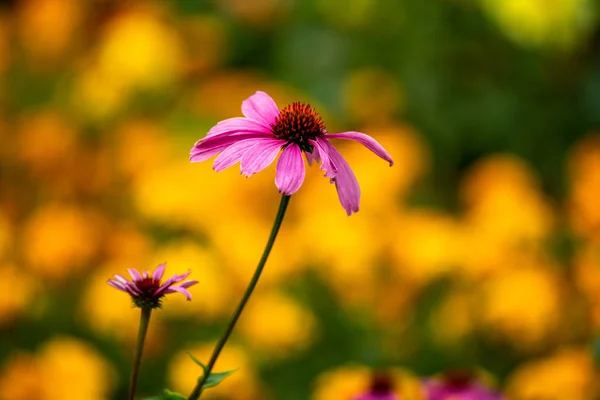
(522, 305)
(584, 174)
(63, 368)
(49, 237)
(453, 319)
(48, 27)
(57, 154)
(220, 95)
(183, 373)
(73, 370)
(350, 381)
(16, 292)
(135, 140)
(138, 49)
(96, 95)
(587, 278)
(424, 245)
(20, 378)
(342, 383)
(213, 295)
(545, 23)
(341, 249)
(276, 324)
(505, 201)
(569, 374)
(372, 95)
(241, 242)
(6, 235)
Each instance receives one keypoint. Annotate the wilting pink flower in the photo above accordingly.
(256, 140)
(381, 389)
(147, 290)
(458, 386)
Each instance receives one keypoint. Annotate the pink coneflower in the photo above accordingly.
(147, 291)
(381, 389)
(256, 140)
(458, 385)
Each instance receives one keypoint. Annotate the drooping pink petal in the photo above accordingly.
(260, 107)
(260, 156)
(290, 170)
(366, 141)
(181, 290)
(159, 272)
(236, 125)
(312, 157)
(188, 284)
(134, 274)
(208, 147)
(345, 181)
(322, 148)
(234, 153)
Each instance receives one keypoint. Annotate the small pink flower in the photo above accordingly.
(256, 140)
(458, 385)
(381, 388)
(147, 290)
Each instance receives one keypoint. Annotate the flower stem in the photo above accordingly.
(221, 343)
(144, 322)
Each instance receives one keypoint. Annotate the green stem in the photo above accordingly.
(213, 359)
(139, 348)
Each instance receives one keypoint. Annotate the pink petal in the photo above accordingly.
(121, 278)
(133, 290)
(345, 182)
(159, 272)
(260, 156)
(366, 141)
(188, 284)
(312, 157)
(134, 274)
(181, 290)
(117, 285)
(208, 147)
(236, 125)
(172, 280)
(234, 153)
(290, 170)
(260, 107)
(322, 148)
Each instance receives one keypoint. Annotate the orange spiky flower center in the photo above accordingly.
(299, 123)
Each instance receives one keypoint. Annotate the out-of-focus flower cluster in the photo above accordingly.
(103, 100)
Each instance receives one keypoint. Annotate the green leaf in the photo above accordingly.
(167, 395)
(215, 378)
(204, 367)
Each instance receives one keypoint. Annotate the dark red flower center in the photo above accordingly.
(458, 379)
(298, 123)
(147, 286)
(381, 383)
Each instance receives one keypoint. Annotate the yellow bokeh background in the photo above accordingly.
(485, 266)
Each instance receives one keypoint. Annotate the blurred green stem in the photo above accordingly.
(213, 359)
(144, 322)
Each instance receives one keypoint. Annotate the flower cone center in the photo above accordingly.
(298, 123)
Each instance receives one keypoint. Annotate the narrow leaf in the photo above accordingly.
(167, 395)
(215, 378)
(204, 367)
